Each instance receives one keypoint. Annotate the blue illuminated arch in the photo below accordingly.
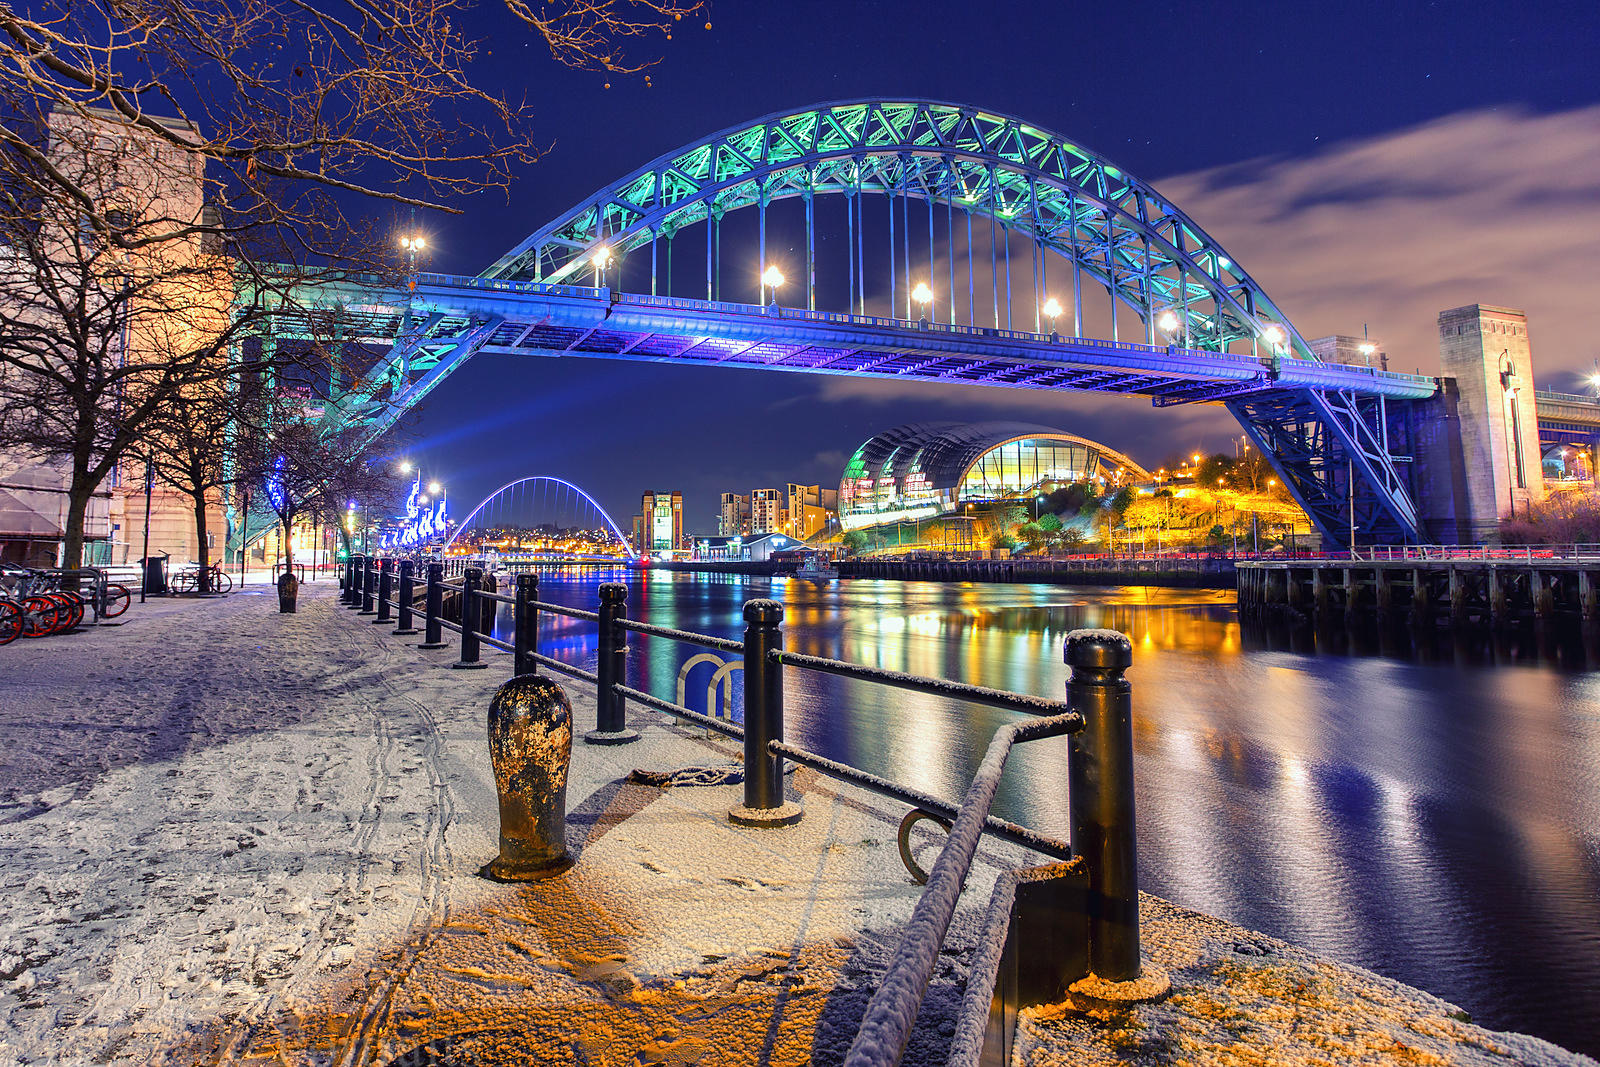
(604, 514)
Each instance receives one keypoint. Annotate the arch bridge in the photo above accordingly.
(910, 240)
(541, 500)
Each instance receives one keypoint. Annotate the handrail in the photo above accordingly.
(704, 640)
(886, 1026)
(979, 694)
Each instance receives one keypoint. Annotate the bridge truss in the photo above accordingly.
(1187, 324)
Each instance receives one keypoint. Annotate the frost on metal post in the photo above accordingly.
(530, 746)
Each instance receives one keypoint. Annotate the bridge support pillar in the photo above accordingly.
(1497, 598)
(1383, 587)
(1588, 597)
(1458, 597)
(1486, 350)
(1421, 595)
(1352, 593)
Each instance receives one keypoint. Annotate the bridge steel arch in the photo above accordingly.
(1338, 435)
(604, 514)
(1152, 257)
(1333, 448)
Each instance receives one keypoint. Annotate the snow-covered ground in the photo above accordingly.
(229, 835)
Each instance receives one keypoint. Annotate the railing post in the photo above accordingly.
(385, 590)
(763, 720)
(611, 726)
(349, 579)
(433, 609)
(1100, 783)
(469, 660)
(525, 628)
(403, 624)
(368, 585)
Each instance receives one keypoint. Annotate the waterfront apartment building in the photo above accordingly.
(659, 525)
(766, 511)
(812, 509)
(733, 520)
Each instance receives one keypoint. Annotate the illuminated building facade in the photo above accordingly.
(766, 511)
(812, 509)
(733, 518)
(659, 527)
(925, 469)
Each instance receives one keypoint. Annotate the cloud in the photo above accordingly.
(1498, 206)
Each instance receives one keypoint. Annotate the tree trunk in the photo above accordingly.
(78, 497)
(288, 546)
(202, 552)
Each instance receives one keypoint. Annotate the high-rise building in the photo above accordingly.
(766, 511)
(660, 524)
(733, 520)
(812, 509)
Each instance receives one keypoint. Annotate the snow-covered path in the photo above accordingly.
(233, 836)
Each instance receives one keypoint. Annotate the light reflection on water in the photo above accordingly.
(1436, 820)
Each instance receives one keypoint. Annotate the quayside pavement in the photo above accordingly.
(233, 836)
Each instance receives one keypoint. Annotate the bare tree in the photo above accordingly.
(295, 102)
(306, 473)
(192, 440)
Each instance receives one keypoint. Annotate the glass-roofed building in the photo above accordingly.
(924, 469)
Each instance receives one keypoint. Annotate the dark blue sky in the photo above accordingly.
(1163, 89)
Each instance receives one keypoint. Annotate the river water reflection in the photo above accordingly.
(1436, 820)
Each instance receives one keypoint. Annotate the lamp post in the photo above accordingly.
(601, 258)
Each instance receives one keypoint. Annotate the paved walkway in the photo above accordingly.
(229, 835)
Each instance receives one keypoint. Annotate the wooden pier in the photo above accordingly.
(1486, 591)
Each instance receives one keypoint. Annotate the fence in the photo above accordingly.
(1047, 927)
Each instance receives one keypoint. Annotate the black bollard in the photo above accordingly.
(611, 726)
(469, 660)
(530, 747)
(347, 580)
(385, 591)
(408, 585)
(1100, 783)
(288, 590)
(357, 568)
(525, 630)
(369, 583)
(763, 720)
(433, 608)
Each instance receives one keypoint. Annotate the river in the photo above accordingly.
(1434, 818)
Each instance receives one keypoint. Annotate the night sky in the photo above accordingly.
(1370, 164)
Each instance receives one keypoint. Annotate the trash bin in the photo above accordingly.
(155, 573)
(288, 590)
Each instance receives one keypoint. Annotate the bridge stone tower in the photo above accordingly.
(1486, 350)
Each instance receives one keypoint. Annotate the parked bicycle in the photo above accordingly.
(38, 603)
(187, 578)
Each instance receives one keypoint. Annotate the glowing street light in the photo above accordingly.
(1052, 308)
(1366, 348)
(1168, 322)
(1274, 336)
(405, 466)
(771, 278)
(923, 296)
(601, 257)
(435, 488)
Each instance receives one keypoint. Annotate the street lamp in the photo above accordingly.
(405, 466)
(413, 244)
(1366, 348)
(1052, 308)
(771, 278)
(1274, 336)
(602, 258)
(923, 296)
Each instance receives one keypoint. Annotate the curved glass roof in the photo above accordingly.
(934, 456)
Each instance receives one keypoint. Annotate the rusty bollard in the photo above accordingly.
(530, 746)
(288, 590)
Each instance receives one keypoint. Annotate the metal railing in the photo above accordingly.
(1510, 553)
(1096, 716)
